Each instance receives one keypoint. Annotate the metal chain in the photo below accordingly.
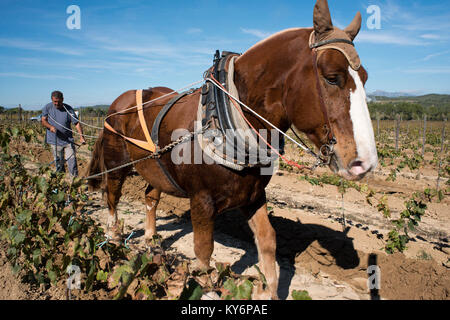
(155, 155)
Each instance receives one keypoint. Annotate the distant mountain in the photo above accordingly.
(381, 93)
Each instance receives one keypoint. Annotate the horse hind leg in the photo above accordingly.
(152, 197)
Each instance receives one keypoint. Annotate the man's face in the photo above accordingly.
(57, 102)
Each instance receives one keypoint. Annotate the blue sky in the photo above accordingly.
(134, 44)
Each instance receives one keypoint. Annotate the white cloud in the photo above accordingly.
(37, 46)
(194, 30)
(430, 36)
(257, 33)
(35, 76)
(388, 38)
(434, 55)
(431, 70)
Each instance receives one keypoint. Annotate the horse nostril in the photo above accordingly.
(356, 163)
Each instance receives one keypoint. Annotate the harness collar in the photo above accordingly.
(230, 142)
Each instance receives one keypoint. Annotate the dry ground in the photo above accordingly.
(315, 252)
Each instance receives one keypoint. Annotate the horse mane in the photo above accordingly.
(257, 45)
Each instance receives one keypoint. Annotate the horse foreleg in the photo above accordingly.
(266, 244)
(152, 197)
(202, 217)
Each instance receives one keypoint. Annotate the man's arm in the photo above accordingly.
(48, 125)
(80, 131)
(74, 120)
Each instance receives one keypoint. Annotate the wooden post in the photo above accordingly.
(378, 124)
(424, 134)
(397, 130)
(20, 113)
(442, 153)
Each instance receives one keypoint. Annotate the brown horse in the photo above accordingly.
(289, 79)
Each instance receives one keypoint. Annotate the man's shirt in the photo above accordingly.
(59, 118)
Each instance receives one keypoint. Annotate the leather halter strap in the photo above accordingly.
(330, 135)
(325, 42)
(146, 145)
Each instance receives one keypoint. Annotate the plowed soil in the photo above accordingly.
(316, 251)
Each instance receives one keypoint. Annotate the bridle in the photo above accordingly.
(326, 151)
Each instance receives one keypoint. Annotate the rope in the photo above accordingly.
(163, 96)
(128, 238)
(104, 242)
(154, 155)
(122, 111)
(289, 162)
(84, 123)
(157, 154)
(71, 220)
(256, 114)
(119, 167)
(84, 135)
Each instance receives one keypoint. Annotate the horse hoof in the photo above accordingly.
(263, 294)
(115, 233)
(154, 241)
(115, 237)
(197, 265)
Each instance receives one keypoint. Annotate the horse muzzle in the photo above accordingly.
(356, 170)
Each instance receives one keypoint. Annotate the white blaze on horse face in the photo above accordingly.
(362, 125)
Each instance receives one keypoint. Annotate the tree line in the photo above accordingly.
(94, 111)
(408, 110)
(385, 110)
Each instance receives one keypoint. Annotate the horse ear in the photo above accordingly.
(322, 19)
(353, 29)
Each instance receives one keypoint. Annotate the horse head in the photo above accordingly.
(340, 97)
(313, 79)
(326, 99)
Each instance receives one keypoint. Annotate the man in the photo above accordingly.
(57, 117)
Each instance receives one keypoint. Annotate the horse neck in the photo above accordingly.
(261, 73)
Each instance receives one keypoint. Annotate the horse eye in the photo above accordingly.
(332, 80)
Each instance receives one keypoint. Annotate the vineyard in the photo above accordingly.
(329, 231)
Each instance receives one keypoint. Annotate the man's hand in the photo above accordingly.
(80, 132)
(48, 125)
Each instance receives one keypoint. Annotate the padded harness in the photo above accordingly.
(230, 141)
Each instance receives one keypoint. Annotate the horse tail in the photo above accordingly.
(96, 165)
